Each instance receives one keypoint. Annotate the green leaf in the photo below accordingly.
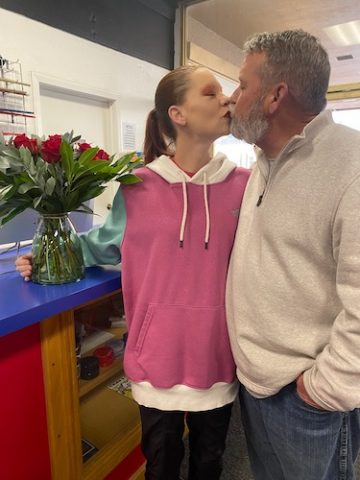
(5, 209)
(13, 214)
(50, 186)
(76, 139)
(128, 179)
(67, 137)
(4, 191)
(25, 187)
(88, 156)
(10, 152)
(84, 208)
(67, 159)
(71, 201)
(92, 193)
(37, 201)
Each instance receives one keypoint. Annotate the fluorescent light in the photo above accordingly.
(344, 34)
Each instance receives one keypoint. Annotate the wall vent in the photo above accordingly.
(344, 57)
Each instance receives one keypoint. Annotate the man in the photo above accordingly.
(293, 293)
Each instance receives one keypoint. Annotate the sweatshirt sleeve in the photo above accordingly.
(101, 245)
(333, 381)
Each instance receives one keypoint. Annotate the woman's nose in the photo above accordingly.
(225, 100)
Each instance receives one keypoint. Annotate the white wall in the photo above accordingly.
(74, 63)
(212, 42)
(51, 52)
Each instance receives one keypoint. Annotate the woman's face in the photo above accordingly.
(206, 108)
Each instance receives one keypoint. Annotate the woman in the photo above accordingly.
(176, 229)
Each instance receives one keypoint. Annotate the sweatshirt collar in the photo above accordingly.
(308, 135)
(217, 170)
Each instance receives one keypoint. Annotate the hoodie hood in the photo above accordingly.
(215, 171)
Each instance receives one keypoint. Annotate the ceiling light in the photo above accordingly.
(344, 34)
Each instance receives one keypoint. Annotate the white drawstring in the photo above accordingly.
(185, 210)
(207, 215)
(184, 215)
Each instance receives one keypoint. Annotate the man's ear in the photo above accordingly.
(276, 96)
(176, 115)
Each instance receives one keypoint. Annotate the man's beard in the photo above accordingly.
(252, 126)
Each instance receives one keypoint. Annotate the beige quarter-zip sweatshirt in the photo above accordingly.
(293, 290)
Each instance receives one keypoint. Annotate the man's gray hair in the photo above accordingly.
(298, 59)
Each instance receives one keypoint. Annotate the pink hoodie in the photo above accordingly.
(175, 254)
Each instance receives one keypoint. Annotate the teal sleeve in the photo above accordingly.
(101, 245)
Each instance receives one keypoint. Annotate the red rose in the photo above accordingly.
(26, 142)
(50, 149)
(102, 155)
(84, 146)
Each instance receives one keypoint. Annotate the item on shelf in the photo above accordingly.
(122, 385)
(89, 367)
(105, 355)
(117, 344)
(117, 321)
(94, 340)
(88, 449)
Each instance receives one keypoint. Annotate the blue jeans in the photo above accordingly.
(290, 440)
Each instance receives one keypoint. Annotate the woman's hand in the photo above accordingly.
(24, 266)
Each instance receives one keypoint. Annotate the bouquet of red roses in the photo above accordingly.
(56, 175)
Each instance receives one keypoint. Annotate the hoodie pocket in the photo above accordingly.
(184, 345)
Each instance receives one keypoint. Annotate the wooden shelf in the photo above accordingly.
(9, 80)
(105, 414)
(16, 113)
(111, 422)
(15, 92)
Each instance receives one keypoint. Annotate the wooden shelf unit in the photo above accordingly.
(86, 409)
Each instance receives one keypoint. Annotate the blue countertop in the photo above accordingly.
(24, 303)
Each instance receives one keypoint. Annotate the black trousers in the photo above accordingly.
(163, 447)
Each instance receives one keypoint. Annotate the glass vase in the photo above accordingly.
(56, 248)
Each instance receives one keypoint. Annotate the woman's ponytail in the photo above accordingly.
(154, 144)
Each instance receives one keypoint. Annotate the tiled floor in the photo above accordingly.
(236, 463)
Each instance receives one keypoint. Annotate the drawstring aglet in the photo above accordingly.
(181, 243)
(206, 245)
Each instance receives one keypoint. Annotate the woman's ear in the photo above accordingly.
(176, 115)
(276, 96)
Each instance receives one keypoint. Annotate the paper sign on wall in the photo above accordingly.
(128, 136)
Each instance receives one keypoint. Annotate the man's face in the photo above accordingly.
(249, 122)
